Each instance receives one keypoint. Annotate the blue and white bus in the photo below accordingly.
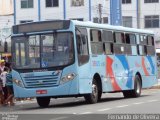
(64, 58)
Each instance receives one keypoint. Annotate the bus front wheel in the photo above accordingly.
(136, 92)
(43, 101)
(92, 97)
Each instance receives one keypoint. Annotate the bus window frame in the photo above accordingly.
(43, 33)
(121, 44)
(99, 42)
(111, 43)
(82, 59)
(131, 44)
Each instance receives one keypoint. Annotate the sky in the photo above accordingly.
(6, 7)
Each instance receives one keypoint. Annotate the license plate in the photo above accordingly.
(41, 91)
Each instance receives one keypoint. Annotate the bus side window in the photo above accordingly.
(119, 45)
(107, 38)
(96, 42)
(150, 45)
(82, 45)
(131, 47)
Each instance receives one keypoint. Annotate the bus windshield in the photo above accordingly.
(43, 51)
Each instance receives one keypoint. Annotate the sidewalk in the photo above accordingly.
(25, 101)
(156, 86)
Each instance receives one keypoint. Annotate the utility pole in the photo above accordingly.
(100, 12)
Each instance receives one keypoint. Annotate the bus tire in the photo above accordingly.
(92, 97)
(99, 95)
(43, 101)
(136, 92)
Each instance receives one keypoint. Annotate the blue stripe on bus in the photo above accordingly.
(124, 62)
(151, 63)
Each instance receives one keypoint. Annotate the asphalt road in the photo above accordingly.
(111, 103)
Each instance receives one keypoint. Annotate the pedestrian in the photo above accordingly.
(3, 78)
(1, 93)
(9, 84)
(2, 65)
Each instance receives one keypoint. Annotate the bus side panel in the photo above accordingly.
(85, 79)
(144, 65)
(123, 72)
(99, 66)
(149, 70)
(109, 78)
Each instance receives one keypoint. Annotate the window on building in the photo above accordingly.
(152, 21)
(105, 19)
(127, 21)
(96, 20)
(25, 21)
(79, 19)
(77, 2)
(151, 1)
(52, 3)
(126, 1)
(26, 3)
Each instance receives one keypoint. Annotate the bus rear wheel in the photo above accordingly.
(92, 97)
(43, 101)
(136, 92)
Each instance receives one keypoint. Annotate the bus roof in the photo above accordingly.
(111, 27)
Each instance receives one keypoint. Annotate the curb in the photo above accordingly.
(156, 87)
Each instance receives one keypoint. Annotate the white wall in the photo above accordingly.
(83, 11)
(26, 13)
(150, 9)
(130, 10)
(73, 12)
(51, 13)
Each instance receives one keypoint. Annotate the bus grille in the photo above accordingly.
(41, 81)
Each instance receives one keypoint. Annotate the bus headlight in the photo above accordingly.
(67, 78)
(18, 83)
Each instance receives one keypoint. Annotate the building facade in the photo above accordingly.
(6, 22)
(142, 14)
(40, 10)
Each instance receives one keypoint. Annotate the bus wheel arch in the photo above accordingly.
(136, 92)
(140, 78)
(95, 96)
(99, 82)
(137, 84)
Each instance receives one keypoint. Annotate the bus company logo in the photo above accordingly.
(40, 82)
(56, 73)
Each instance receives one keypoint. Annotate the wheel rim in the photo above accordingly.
(138, 87)
(94, 91)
